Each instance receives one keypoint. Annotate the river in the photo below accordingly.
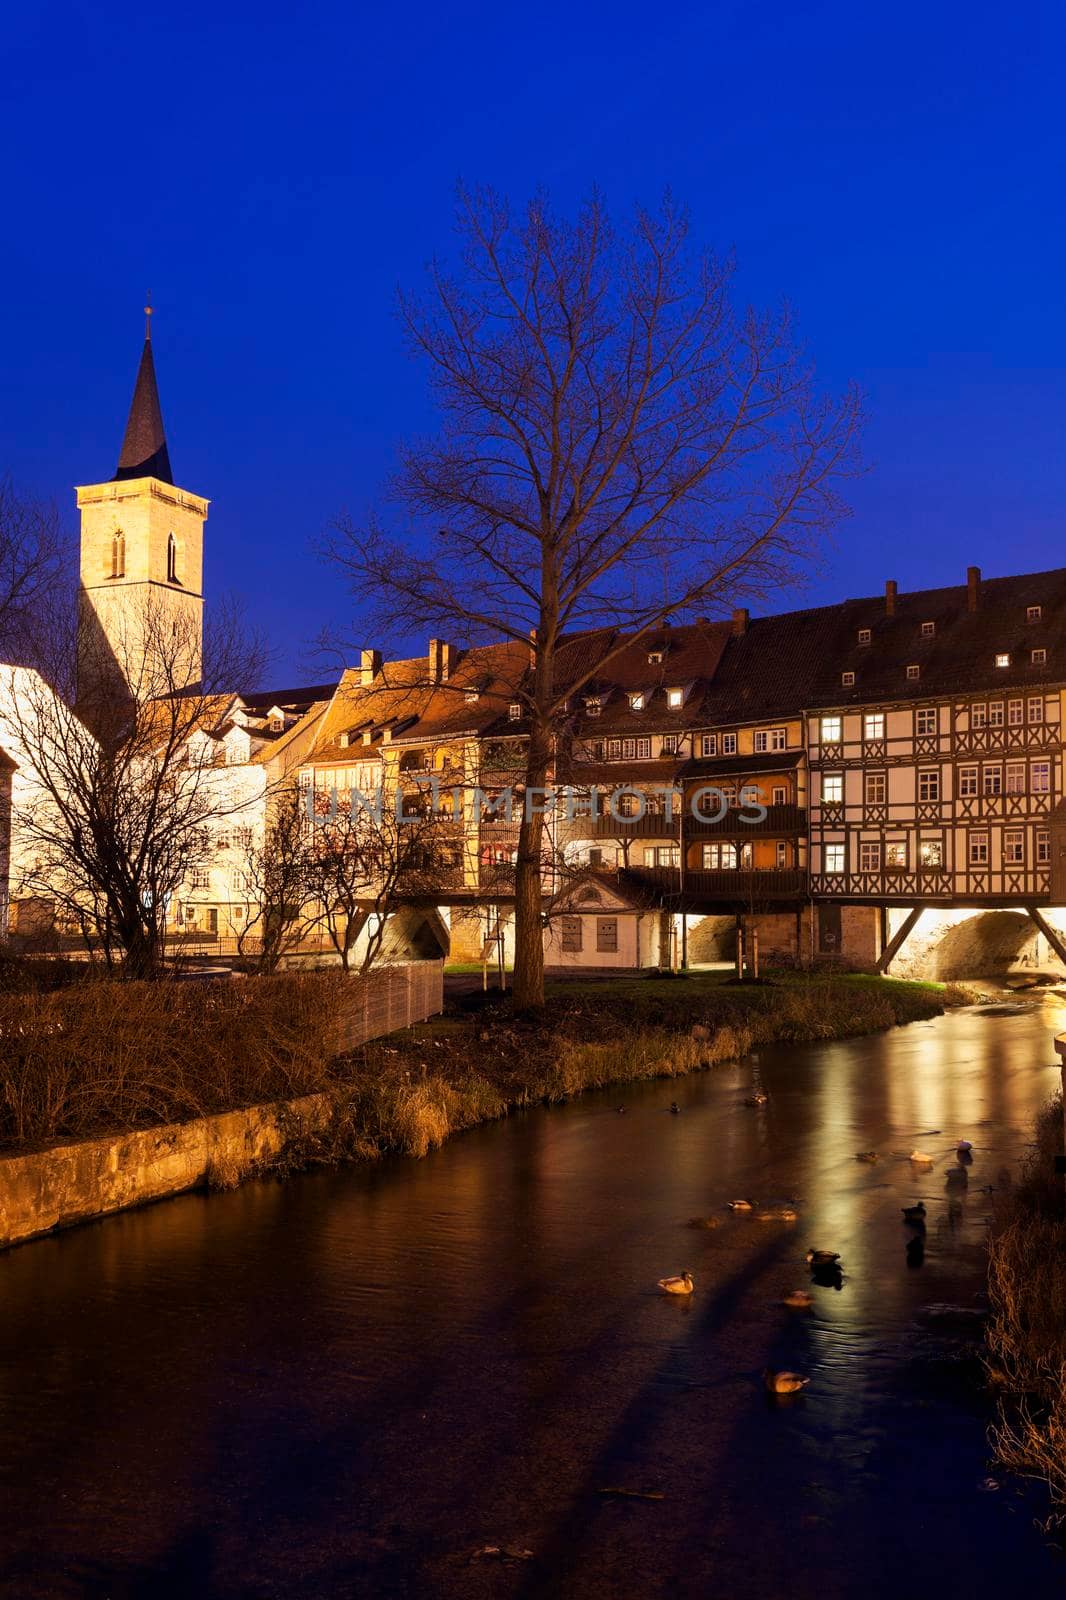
(350, 1382)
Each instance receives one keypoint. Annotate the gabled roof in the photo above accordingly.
(144, 447)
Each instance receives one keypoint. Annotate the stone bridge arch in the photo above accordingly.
(949, 945)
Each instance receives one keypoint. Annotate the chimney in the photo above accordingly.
(440, 660)
(973, 587)
(369, 666)
(740, 622)
(344, 740)
(368, 735)
(890, 598)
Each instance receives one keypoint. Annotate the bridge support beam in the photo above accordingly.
(896, 943)
(1054, 939)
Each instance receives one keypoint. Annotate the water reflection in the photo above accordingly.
(347, 1383)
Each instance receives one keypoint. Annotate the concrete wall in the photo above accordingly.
(75, 1182)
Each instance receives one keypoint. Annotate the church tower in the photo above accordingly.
(140, 627)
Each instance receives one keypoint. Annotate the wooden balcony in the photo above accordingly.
(779, 821)
(731, 890)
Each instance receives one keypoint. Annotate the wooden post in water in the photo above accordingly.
(1060, 1046)
(740, 948)
(753, 965)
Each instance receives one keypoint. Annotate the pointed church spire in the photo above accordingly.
(144, 448)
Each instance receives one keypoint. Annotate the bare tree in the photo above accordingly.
(370, 854)
(620, 445)
(31, 559)
(278, 883)
(116, 793)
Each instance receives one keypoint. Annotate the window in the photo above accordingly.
(172, 559)
(870, 856)
(979, 849)
(1015, 713)
(995, 714)
(928, 630)
(628, 805)
(1036, 708)
(873, 725)
(607, 934)
(1002, 658)
(719, 857)
(655, 657)
(1013, 847)
(514, 711)
(876, 788)
(1038, 657)
(636, 701)
(592, 707)
(1043, 846)
(782, 853)
(595, 856)
(1015, 777)
(614, 749)
(571, 933)
(929, 783)
(847, 679)
(865, 635)
(769, 739)
(664, 855)
(118, 554)
(675, 698)
(978, 716)
(832, 788)
(200, 878)
(671, 744)
(1040, 773)
(925, 720)
(931, 852)
(780, 795)
(1032, 613)
(709, 744)
(913, 672)
(896, 854)
(992, 779)
(834, 859)
(729, 744)
(968, 781)
(633, 749)
(830, 730)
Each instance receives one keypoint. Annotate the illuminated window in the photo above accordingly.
(931, 852)
(1003, 658)
(675, 698)
(719, 857)
(780, 794)
(831, 729)
(670, 744)
(834, 859)
(514, 711)
(873, 725)
(636, 701)
(832, 788)
(770, 739)
(896, 853)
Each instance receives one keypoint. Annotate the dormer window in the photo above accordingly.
(472, 696)
(928, 630)
(913, 672)
(675, 698)
(865, 635)
(1003, 658)
(656, 657)
(592, 708)
(514, 711)
(1032, 613)
(637, 700)
(1038, 657)
(847, 679)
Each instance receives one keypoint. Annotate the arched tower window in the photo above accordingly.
(118, 554)
(172, 559)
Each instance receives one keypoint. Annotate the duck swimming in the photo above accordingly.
(777, 1214)
(822, 1258)
(914, 1214)
(741, 1205)
(920, 1158)
(681, 1284)
(784, 1382)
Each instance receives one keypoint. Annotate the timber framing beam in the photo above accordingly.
(896, 943)
(1053, 938)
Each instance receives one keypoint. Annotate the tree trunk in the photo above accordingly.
(528, 985)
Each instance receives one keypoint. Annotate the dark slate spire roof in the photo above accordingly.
(144, 449)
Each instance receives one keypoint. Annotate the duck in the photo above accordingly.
(914, 1214)
(798, 1300)
(921, 1158)
(759, 1098)
(702, 1222)
(741, 1205)
(683, 1283)
(784, 1382)
(675, 1109)
(621, 1110)
(777, 1214)
(963, 1147)
(822, 1258)
(869, 1156)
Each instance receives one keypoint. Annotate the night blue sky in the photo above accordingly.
(274, 172)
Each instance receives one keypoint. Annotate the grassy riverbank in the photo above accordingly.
(410, 1092)
(1027, 1331)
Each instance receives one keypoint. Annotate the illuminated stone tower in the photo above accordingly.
(141, 610)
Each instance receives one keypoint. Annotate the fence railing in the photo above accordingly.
(388, 998)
